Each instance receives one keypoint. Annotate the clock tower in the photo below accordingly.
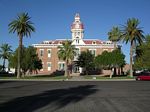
(77, 28)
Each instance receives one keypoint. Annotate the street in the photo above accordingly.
(74, 96)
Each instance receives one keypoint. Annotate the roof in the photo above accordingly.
(60, 41)
(81, 26)
(92, 41)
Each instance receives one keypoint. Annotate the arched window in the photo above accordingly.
(77, 40)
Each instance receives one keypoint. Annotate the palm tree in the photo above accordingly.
(133, 34)
(23, 27)
(66, 52)
(114, 35)
(5, 52)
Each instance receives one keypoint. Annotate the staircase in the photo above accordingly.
(75, 74)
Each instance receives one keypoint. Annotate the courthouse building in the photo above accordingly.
(47, 50)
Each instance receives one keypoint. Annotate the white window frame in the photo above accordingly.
(49, 54)
(93, 50)
(77, 41)
(49, 68)
(61, 66)
(41, 53)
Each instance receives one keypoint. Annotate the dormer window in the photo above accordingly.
(60, 42)
(94, 42)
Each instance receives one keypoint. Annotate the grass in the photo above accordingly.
(100, 77)
(61, 77)
(38, 77)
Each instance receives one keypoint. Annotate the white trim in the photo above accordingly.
(92, 49)
(85, 46)
(105, 49)
(80, 45)
(42, 66)
(61, 62)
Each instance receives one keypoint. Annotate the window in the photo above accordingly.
(41, 52)
(49, 53)
(60, 42)
(61, 66)
(77, 40)
(49, 66)
(77, 51)
(94, 42)
(78, 33)
(93, 51)
(75, 33)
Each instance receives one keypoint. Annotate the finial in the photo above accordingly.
(77, 15)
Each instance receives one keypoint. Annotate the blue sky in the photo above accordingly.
(52, 18)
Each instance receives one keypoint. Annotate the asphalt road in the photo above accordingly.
(65, 96)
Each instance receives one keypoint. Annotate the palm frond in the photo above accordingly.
(22, 25)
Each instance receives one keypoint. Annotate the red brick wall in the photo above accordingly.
(54, 58)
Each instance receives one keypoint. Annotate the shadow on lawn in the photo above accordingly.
(53, 99)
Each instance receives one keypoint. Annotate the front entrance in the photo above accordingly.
(75, 69)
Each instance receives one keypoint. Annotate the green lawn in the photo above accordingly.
(34, 77)
(100, 77)
(56, 77)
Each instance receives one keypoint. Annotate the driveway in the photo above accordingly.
(65, 96)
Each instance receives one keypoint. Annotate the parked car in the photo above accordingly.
(145, 75)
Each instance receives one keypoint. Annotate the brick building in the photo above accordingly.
(47, 50)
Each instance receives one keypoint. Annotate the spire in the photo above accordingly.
(77, 17)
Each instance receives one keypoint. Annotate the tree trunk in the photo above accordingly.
(119, 71)
(19, 56)
(86, 71)
(115, 72)
(131, 59)
(112, 73)
(122, 73)
(66, 69)
(4, 65)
